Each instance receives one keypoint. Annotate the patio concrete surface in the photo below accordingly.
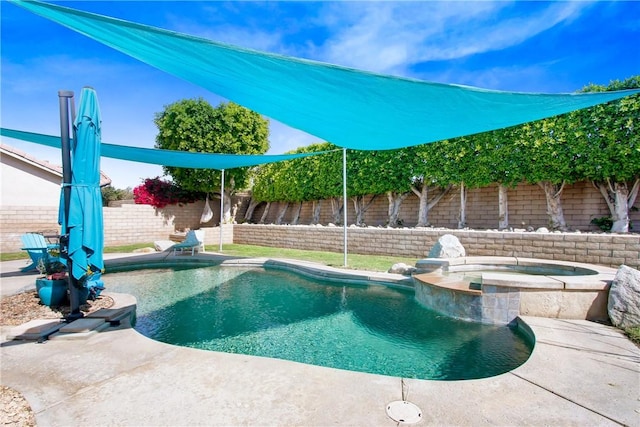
(580, 373)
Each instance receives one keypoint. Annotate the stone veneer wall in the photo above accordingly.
(610, 250)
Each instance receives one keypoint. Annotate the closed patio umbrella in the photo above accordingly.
(83, 223)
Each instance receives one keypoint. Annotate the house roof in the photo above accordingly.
(20, 155)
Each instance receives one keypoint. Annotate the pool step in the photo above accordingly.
(35, 330)
(80, 329)
(441, 281)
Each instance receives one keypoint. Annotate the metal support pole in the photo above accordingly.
(64, 96)
(221, 207)
(344, 201)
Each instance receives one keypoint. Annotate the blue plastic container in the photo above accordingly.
(52, 293)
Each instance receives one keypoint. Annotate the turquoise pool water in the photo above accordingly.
(282, 315)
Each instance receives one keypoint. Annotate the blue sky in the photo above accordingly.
(514, 46)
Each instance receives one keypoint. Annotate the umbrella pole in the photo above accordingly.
(221, 206)
(74, 298)
(344, 202)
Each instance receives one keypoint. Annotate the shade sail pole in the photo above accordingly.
(221, 206)
(64, 97)
(344, 201)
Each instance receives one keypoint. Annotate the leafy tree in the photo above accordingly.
(608, 149)
(482, 159)
(550, 154)
(391, 173)
(112, 194)
(194, 125)
(312, 178)
(429, 174)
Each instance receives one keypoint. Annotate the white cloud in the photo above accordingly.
(391, 37)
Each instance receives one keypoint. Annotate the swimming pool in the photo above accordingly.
(277, 314)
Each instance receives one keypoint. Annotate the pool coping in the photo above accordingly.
(599, 278)
(580, 373)
(308, 269)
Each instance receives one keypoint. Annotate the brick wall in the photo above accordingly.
(610, 250)
(526, 203)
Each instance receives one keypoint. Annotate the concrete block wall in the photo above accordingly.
(131, 224)
(123, 224)
(212, 235)
(610, 250)
(526, 203)
(17, 220)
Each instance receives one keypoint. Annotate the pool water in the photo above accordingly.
(282, 315)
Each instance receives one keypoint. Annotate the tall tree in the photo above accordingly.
(491, 157)
(310, 178)
(550, 155)
(194, 125)
(429, 180)
(608, 146)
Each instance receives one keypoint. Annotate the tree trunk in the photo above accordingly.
(554, 205)
(281, 213)
(250, 209)
(296, 214)
(357, 205)
(423, 210)
(424, 205)
(361, 208)
(263, 218)
(234, 211)
(316, 212)
(336, 210)
(395, 201)
(226, 208)
(462, 218)
(503, 208)
(619, 198)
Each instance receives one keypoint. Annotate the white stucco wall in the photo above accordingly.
(31, 186)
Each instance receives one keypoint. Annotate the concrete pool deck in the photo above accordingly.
(580, 373)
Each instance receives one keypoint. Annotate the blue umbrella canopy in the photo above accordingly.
(84, 224)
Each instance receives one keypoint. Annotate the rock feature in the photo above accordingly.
(447, 246)
(624, 298)
(402, 268)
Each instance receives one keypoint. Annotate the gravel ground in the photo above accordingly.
(16, 310)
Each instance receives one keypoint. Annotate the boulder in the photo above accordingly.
(624, 298)
(447, 246)
(402, 268)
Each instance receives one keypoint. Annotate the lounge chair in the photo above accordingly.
(194, 241)
(37, 248)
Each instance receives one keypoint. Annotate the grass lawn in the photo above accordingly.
(334, 259)
(357, 262)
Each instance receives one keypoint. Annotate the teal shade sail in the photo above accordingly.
(180, 159)
(350, 108)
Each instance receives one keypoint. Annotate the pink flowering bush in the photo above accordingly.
(159, 193)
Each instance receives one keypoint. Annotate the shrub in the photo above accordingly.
(159, 193)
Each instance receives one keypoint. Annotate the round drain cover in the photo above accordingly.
(404, 412)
